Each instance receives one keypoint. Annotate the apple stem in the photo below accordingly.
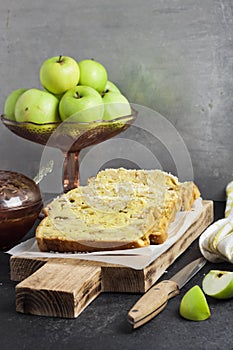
(60, 59)
(77, 94)
(104, 92)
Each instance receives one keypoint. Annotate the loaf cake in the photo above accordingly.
(117, 209)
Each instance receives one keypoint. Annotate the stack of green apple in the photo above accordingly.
(75, 91)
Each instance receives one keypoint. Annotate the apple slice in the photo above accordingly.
(194, 306)
(218, 284)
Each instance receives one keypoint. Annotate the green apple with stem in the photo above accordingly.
(218, 284)
(59, 74)
(194, 306)
(93, 74)
(37, 106)
(81, 104)
(115, 105)
(110, 87)
(9, 106)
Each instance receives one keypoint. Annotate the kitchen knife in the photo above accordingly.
(155, 300)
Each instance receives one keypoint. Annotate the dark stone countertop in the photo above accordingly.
(103, 324)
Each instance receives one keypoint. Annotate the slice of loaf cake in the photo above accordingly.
(118, 209)
(158, 188)
(167, 194)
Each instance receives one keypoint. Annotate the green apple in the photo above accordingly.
(37, 106)
(59, 74)
(115, 105)
(9, 106)
(93, 74)
(110, 86)
(218, 284)
(58, 96)
(194, 306)
(81, 104)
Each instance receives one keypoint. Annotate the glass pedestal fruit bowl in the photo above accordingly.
(20, 205)
(70, 137)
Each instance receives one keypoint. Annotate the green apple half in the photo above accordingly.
(37, 106)
(81, 104)
(59, 74)
(93, 74)
(9, 106)
(194, 306)
(115, 105)
(218, 284)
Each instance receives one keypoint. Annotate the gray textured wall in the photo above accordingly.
(174, 57)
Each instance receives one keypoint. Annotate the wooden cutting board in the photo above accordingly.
(64, 287)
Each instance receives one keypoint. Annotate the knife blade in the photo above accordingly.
(156, 298)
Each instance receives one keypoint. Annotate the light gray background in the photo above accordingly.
(174, 57)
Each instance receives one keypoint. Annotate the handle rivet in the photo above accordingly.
(135, 310)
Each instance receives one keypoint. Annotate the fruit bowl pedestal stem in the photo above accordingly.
(70, 171)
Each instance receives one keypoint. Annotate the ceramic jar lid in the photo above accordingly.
(17, 191)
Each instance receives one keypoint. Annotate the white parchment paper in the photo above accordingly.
(137, 258)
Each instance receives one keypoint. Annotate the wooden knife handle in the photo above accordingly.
(152, 302)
